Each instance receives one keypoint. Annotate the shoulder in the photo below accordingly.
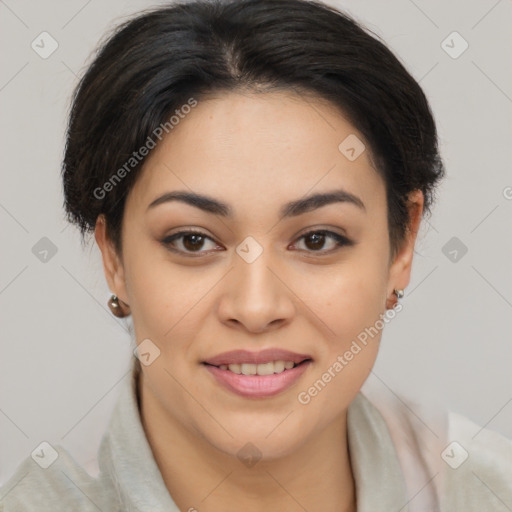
(461, 464)
(479, 467)
(56, 482)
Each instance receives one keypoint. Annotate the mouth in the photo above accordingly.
(258, 374)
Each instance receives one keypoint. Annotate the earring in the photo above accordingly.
(399, 293)
(115, 305)
(391, 302)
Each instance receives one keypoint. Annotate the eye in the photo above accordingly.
(188, 242)
(315, 240)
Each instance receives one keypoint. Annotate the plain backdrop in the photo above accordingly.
(63, 354)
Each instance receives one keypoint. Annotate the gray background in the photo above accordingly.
(63, 354)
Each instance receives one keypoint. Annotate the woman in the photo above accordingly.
(255, 174)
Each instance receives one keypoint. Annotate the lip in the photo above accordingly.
(263, 356)
(258, 386)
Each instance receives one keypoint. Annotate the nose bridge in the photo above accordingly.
(256, 296)
(254, 278)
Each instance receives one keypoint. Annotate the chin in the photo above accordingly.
(250, 451)
(264, 440)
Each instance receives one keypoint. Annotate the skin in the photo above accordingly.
(255, 152)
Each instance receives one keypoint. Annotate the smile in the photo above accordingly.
(257, 374)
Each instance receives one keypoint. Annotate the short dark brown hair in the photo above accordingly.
(154, 64)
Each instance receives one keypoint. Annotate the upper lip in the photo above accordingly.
(263, 356)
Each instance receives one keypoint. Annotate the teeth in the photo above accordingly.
(278, 366)
(265, 368)
(248, 369)
(259, 369)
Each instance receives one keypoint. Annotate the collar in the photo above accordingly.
(377, 472)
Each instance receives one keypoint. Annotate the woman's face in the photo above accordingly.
(252, 281)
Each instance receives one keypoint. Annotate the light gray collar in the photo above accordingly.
(380, 484)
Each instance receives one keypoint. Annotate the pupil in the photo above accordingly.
(318, 240)
(196, 242)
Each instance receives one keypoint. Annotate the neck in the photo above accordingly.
(200, 477)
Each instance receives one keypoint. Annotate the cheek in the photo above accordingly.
(350, 302)
(162, 294)
(348, 297)
(353, 312)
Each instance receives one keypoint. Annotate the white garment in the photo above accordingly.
(395, 455)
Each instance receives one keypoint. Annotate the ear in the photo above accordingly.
(400, 269)
(112, 263)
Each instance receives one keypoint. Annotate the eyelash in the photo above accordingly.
(341, 241)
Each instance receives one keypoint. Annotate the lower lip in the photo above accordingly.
(258, 386)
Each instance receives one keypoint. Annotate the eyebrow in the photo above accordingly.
(291, 209)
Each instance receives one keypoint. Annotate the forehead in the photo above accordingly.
(252, 147)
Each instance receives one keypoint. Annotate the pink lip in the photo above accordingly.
(264, 356)
(258, 386)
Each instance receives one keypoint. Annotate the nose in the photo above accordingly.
(256, 296)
